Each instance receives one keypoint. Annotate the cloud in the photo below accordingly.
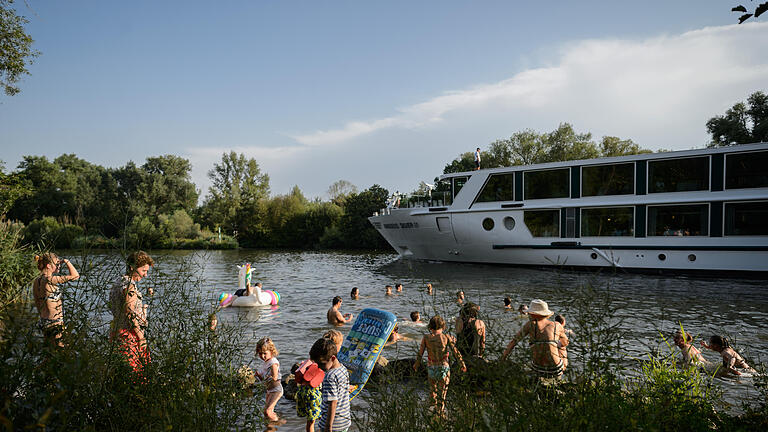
(658, 91)
(631, 77)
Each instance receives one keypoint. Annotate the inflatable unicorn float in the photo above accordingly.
(259, 297)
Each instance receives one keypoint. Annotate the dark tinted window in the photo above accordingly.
(613, 221)
(543, 223)
(546, 184)
(500, 187)
(678, 220)
(616, 179)
(458, 183)
(746, 218)
(678, 175)
(746, 170)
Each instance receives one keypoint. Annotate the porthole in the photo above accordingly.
(662, 257)
(488, 224)
(691, 257)
(593, 255)
(509, 223)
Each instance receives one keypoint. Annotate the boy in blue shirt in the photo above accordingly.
(335, 415)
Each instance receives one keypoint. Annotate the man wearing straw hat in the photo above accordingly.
(544, 337)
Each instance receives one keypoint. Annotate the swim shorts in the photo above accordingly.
(438, 372)
(309, 402)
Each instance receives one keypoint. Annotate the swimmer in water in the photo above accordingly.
(459, 297)
(733, 363)
(334, 315)
(691, 354)
(389, 290)
(355, 293)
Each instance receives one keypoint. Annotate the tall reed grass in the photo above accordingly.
(190, 384)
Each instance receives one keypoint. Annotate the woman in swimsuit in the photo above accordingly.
(470, 332)
(47, 294)
(437, 346)
(546, 361)
(130, 312)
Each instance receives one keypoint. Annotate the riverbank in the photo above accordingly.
(185, 370)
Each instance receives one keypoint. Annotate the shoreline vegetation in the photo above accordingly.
(193, 382)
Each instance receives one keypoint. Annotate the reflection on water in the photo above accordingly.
(307, 281)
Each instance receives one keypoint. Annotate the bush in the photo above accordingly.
(17, 268)
(190, 384)
(48, 232)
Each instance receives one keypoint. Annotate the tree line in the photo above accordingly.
(69, 202)
(743, 123)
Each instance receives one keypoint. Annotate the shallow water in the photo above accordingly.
(307, 281)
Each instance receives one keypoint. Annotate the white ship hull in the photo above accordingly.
(459, 232)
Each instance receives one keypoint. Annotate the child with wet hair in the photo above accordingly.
(438, 346)
(416, 317)
(507, 303)
(691, 354)
(270, 374)
(732, 362)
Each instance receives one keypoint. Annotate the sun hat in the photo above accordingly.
(539, 307)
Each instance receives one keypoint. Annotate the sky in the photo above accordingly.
(384, 92)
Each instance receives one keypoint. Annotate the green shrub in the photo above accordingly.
(48, 232)
(190, 384)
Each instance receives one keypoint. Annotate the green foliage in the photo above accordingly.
(668, 392)
(16, 51)
(759, 10)
(340, 190)
(17, 267)
(234, 198)
(48, 232)
(355, 229)
(742, 123)
(190, 383)
(530, 147)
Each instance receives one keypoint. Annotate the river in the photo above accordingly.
(307, 281)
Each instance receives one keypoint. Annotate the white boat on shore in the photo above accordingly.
(695, 210)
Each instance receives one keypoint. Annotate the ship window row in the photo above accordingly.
(682, 220)
(742, 170)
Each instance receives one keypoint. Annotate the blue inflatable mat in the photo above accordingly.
(363, 344)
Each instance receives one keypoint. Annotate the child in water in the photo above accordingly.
(270, 374)
(438, 347)
(732, 362)
(691, 354)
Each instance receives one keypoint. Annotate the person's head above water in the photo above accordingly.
(389, 289)
(507, 302)
(355, 293)
(415, 316)
(398, 287)
(718, 343)
(336, 300)
(523, 309)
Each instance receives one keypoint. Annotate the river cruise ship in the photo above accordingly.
(695, 210)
